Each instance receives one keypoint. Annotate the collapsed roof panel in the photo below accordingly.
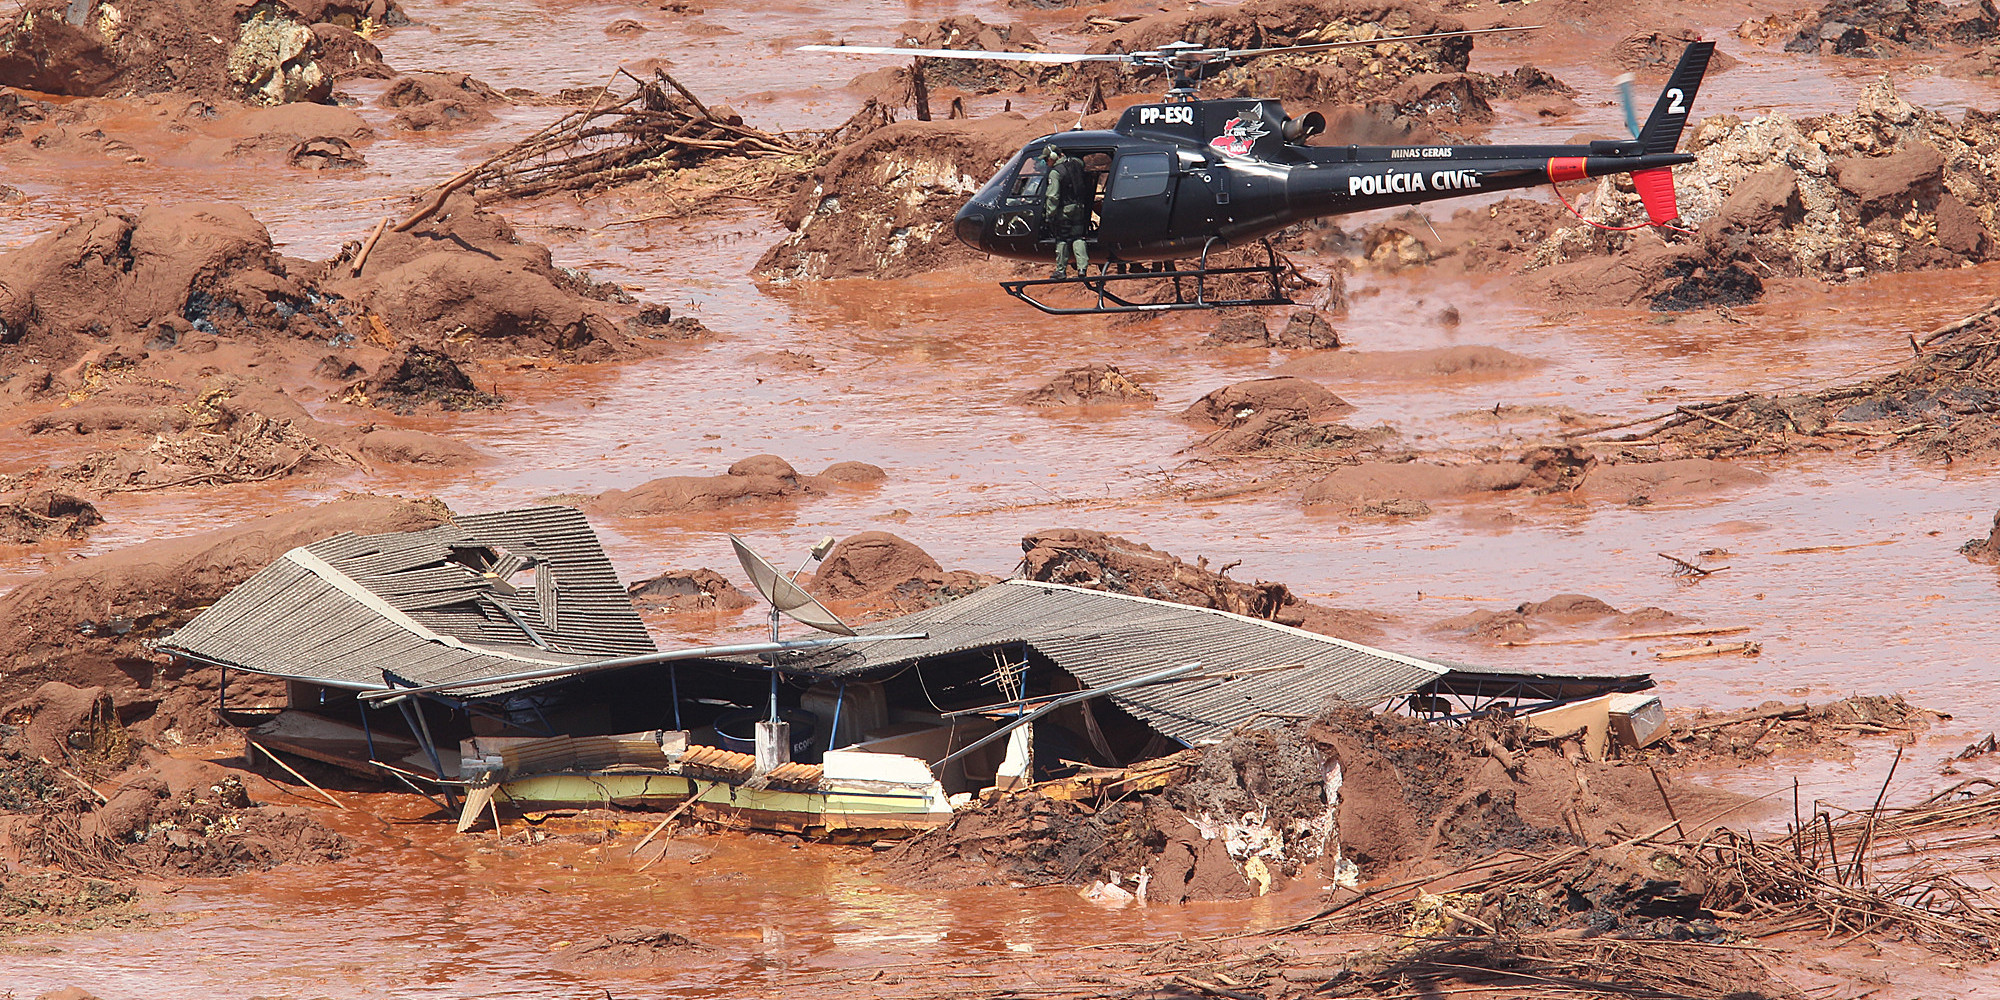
(1102, 638)
(431, 606)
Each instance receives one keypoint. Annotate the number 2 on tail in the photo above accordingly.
(1678, 105)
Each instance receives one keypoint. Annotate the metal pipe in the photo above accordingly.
(674, 678)
(1156, 677)
(833, 730)
(693, 653)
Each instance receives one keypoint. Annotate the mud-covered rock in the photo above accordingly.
(677, 591)
(883, 569)
(1087, 385)
(46, 514)
(463, 283)
(1985, 550)
(418, 378)
(426, 101)
(264, 51)
(757, 479)
(118, 279)
(1234, 404)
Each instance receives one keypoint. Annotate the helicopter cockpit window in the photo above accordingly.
(1026, 184)
(1140, 175)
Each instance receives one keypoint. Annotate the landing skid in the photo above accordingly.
(1109, 301)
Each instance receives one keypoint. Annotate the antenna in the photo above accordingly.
(785, 596)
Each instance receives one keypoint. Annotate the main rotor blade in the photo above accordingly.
(1248, 53)
(1056, 58)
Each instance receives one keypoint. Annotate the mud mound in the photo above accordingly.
(1645, 482)
(682, 590)
(1352, 76)
(45, 514)
(264, 52)
(427, 101)
(229, 433)
(1305, 329)
(1985, 550)
(883, 205)
(463, 283)
(1529, 618)
(421, 379)
(1099, 561)
(1890, 187)
(1942, 403)
(1873, 29)
(85, 622)
(1086, 385)
(757, 479)
(115, 279)
(163, 817)
(878, 568)
(1775, 728)
(344, 55)
(634, 948)
(1464, 361)
(1233, 404)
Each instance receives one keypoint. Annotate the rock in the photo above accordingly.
(1985, 550)
(1085, 385)
(1763, 202)
(1239, 329)
(275, 59)
(1235, 404)
(419, 377)
(1306, 329)
(45, 514)
(1960, 229)
(328, 152)
(677, 591)
(1891, 182)
(345, 55)
(432, 101)
(855, 473)
(757, 479)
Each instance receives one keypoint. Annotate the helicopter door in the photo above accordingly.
(1139, 200)
(1202, 202)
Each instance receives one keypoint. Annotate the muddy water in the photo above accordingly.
(423, 913)
(1843, 568)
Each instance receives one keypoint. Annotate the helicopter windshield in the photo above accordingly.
(1019, 180)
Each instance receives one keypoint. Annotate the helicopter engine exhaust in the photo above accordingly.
(1301, 129)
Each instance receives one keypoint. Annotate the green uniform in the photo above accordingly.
(1067, 208)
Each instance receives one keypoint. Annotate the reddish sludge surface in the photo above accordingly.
(1845, 568)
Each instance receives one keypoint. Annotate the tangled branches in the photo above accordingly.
(659, 124)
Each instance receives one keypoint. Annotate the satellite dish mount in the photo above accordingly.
(787, 600)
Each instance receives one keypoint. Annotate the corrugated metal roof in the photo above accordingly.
(432, 606)
(1101, 638)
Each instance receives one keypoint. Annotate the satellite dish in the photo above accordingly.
(784, 595)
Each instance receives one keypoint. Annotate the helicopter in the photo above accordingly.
(1187, 177)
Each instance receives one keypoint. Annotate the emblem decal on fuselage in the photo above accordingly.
(1239, 136)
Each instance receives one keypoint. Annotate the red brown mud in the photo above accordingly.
(1530, 618)
(882, 570)
(1847, 555)
(754, 480)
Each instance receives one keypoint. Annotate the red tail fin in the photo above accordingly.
(1656, 189)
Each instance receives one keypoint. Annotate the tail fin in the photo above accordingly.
(1663, 129)
(1663, 132)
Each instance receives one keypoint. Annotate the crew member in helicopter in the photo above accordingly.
(1066, 209)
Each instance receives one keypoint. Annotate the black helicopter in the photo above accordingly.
(1186, 177)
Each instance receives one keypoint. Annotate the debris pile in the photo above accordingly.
(1890, 187)
(1281, 417)
(677, 591)
(1776, 727)
(658, 126)
(1347, 795)
(1942, 402)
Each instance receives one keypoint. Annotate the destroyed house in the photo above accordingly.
(524, 659)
